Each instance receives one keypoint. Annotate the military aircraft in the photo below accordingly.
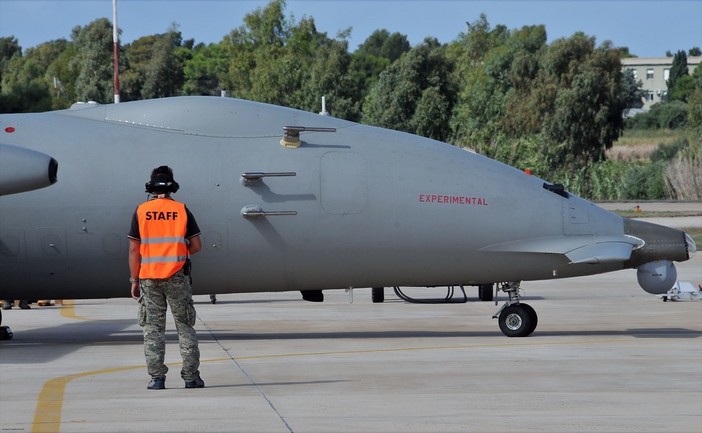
(290, 200)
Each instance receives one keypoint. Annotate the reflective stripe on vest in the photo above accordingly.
(162, 226)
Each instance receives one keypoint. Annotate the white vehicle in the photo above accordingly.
(682, 291)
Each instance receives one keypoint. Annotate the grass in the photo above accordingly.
(656, 214)
(638, 144)
(638, 137)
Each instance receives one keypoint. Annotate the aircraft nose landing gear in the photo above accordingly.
(515, 319)
(5, 333)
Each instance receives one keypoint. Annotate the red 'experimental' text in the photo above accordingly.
(453, 199)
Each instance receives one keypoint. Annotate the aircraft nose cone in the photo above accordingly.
(691, 246)
(660, 243)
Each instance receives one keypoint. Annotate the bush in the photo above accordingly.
(643, 182)
(671, 115)
(683, 175)
(616, 180)
(666, 152)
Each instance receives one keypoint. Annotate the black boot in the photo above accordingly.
(157, 383)
(195, 383)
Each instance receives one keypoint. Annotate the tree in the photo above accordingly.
(277, 60)
(28, 81)
(678, 70)
(205, 70)
(694, 103)
(22, 90)
(384, 45)
(520, 96)
(587, 115)
(694, 51)
(415, 93)
(375, 54)
(154, 67)
(632, 91)
(9, 47)
(92, 64)
(257, 56)
(480, 99)
(329, 76)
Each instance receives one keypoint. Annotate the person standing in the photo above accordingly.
(162, 237)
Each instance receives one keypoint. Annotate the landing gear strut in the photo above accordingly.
(5, 333)
(515, 319)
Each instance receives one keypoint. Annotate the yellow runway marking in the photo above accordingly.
(69, 311)
(47, 417)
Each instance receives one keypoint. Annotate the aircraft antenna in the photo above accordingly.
(324, 111)
(115, 49)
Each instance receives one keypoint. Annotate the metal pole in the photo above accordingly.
(115, 49)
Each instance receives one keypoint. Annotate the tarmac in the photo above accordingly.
(605, 357)
(679, 222)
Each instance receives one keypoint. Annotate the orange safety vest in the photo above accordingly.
(162, 227)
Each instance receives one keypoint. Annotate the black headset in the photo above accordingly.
(161, 181)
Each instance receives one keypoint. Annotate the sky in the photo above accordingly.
(648, 28)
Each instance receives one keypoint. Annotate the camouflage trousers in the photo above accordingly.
(175, 291)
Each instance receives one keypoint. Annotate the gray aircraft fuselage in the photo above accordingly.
(366, 207)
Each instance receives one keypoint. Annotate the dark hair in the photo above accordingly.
(162, 181)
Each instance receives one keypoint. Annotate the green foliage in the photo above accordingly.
(9, 47)
(373, 56)
(277, 60)
(28, 81)
(670, 115)
(694, 116)
(570, 93)
(683, 174)
(678, 70)
(205, 70)
(411, 93)
(382, 44)
(328, 76)
(92, 64)
(155, 68)
(666, 152)
(616, 180)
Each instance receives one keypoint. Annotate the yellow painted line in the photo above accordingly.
(68, 310)
(47, 417)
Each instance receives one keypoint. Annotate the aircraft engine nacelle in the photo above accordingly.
(25, 170)
(657, 277)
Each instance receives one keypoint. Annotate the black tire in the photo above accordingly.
(485, 292)
(5, 333)
(518, 320)
(378, 294)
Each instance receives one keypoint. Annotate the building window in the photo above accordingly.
(649, 95)
(634, 73)
(649, 73)
(666, 74)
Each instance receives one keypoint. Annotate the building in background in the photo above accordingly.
(653, 73)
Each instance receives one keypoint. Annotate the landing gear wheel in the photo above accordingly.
(518, 320)
(378, 294)
(485, 292)
(5, 333)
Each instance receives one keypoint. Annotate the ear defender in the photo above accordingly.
(161, 181)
